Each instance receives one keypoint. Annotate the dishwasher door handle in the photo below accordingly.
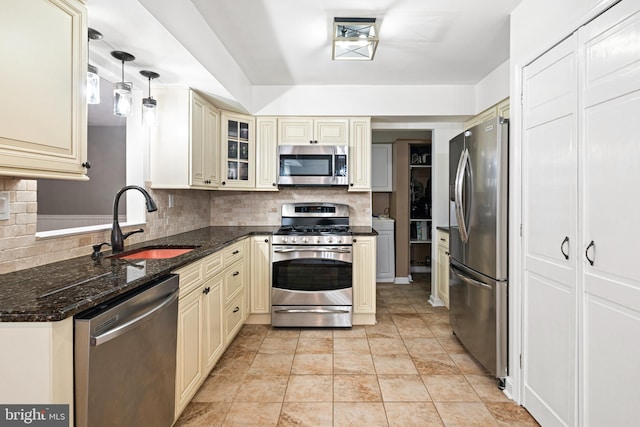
(116, 332)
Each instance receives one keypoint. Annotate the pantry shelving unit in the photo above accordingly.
(420, 203)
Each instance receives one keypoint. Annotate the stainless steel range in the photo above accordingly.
(311, 267)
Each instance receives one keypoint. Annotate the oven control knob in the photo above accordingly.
(330, 239)
(293, 240)
(305, 240)
(317, 240)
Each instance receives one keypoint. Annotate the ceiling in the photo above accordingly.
(288, 42)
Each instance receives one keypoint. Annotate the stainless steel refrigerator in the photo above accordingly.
(478, 190)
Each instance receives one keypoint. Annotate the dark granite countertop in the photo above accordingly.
(53, 292)
(443, 228)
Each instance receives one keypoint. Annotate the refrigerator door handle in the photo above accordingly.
(473, 282)
(462, 165)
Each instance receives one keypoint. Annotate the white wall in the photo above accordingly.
(364, 100)
(536, 26)
(493, 88)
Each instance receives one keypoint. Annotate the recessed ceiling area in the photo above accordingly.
(224, 48)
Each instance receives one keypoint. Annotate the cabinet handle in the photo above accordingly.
(351, 184)
(273, 184)
(236, 252)
(266, 240)
(224, 183)
(565, 241)
(442, 240)
(206, 290)
(237, 309)
(355, 240)
(86, 165)
(236, 273)
(592, 244)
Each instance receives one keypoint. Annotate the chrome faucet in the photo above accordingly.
(117, 238)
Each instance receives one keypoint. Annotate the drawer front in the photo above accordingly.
(233, 253)
(213, 264)
(233, 281)
(443, 239)
(190, 277)
(233, 316)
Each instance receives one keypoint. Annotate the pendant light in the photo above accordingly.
(122, 96)
(93, 79)
(149, 104)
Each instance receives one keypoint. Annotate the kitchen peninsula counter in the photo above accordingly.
(56, 291)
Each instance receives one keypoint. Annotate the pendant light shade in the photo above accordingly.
(93, 79)
(149, 104)
(122, 95)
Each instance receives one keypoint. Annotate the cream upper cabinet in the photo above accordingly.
(364, 280)
(266, 146)
(53, 34)
(184, 149)
(309, 130)
(237, 151)
(360, 155)
(501, 109)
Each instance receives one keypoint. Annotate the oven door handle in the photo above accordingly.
(307, 249)
(312, 310)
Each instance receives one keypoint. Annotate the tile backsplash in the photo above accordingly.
(263, 208)
(21, 249)
(192, 209)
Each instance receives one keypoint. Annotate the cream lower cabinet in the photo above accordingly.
(260, 288)
(184, 149)
(200, 341)
(43, 116)
(210, 313)
(442, 266)
(364, 280)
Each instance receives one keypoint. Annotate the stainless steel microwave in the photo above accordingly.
(313, 165)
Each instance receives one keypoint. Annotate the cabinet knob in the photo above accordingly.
(351, 184)
(224, 183)
(273, 184)
(86, 165)
(355, 240)
(266, 240)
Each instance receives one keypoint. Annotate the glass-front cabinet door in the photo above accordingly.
(238, 151)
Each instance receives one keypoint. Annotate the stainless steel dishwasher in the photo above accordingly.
(125, 358)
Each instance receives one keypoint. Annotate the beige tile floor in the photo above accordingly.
(407, 370)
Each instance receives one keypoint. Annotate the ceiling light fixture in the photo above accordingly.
(149, 104)
(354, 39)
(93, 79)
(122, 96)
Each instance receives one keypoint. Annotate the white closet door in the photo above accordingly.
(611, 205)
(549, 161)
